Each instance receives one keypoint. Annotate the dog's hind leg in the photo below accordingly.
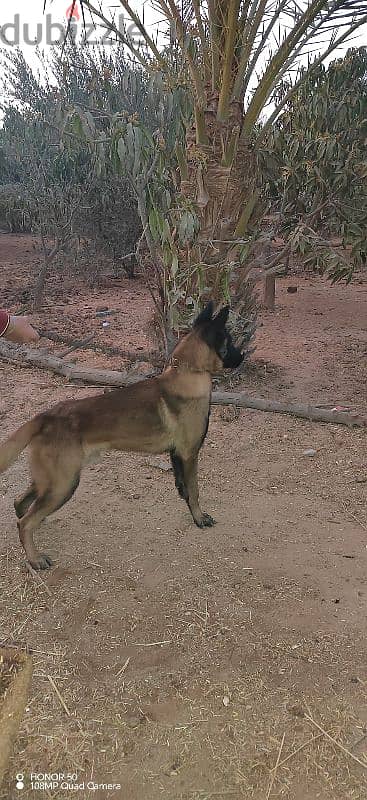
(23, 502)
(44, 505)
(186, 477)
(56, 473)
(40, 508)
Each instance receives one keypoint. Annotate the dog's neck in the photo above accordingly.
(184, 366)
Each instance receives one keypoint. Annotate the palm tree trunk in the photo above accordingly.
(220, 178)
(269, 292)
(40, 282)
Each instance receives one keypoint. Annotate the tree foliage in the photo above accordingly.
(316, 163)
(36, 158)
(182, 126)
(232, 57)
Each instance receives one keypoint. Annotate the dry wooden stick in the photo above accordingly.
(38, 358)
(37, 577)
(124, 666)
(359, 521)
(13, 353)
(296, 409)
(151, 644)
(337, 744)
(274, 770)
(77, 345)
(131, 355)
(62, 701)
(301, 747)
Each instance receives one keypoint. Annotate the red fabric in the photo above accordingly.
(4, 321)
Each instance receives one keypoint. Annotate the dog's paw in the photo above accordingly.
(42, 561)
(206, 521)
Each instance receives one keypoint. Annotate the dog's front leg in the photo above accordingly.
(178, 471)
(186, 478)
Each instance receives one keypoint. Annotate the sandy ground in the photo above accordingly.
(229, 663)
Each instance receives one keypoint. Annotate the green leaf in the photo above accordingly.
(88, 125)
(174, 267)
(77, 127)
(138, 165)
(122, 151)
(153, 225)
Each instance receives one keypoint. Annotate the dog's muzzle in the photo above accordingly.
(233, 358)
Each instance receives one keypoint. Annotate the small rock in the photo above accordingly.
(310, 452)
(225, 700)
(292, 289)
(165, 466)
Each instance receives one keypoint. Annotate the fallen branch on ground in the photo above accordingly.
(59, 695)
(38, 358)
(335, 742)
(77, 345)
(109, 350)
(302, 410)
(101, 377)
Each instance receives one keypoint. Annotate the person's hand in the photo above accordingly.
(20, 331)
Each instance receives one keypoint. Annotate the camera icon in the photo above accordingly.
(20, 780)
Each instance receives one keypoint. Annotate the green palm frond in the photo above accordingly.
(243, 48)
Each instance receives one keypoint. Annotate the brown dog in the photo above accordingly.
(167, 413)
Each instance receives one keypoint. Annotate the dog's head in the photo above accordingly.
(209, 346)
(213, 332)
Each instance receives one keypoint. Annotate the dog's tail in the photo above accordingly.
(12, 447)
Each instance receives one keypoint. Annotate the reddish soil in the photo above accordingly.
(192, 665)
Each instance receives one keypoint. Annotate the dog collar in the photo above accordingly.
(176, 364)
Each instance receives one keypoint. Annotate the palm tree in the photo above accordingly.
(233, 55)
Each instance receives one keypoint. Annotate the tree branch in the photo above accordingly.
(149, 41)
(249, 38)
(261, 45)
(174, 14)
(227, 66)
(200, 27)
(268, 125)
(280, 59)
(110, 25)
(14, 353)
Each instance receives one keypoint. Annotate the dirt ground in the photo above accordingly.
(189, 664)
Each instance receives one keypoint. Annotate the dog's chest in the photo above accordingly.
(187, 419)
(194, 417)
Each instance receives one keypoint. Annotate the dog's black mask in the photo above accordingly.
(215, 334)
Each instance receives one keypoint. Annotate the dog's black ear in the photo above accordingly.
(220, 320)
(206, 315)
